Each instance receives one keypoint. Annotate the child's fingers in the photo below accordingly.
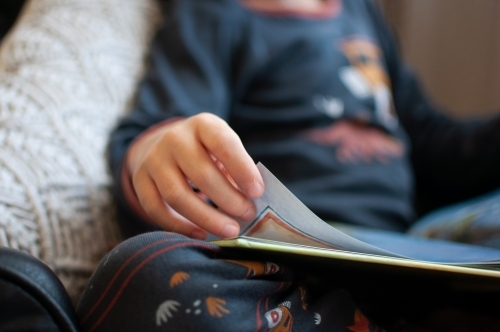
(180, 197)
(205, 174)
(176, 223)
(189, 159)
(225, 145)
(165, 159)
(162, 214)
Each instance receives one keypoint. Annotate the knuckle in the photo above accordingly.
(161, 216)
(173, 139)
(201, 177)
(242, 210)
(168, 222)
(140, 182)
(223, 142)
(212, 223)
(225, 137)
(205, 118)
(149, 160)
(151, 207)
(174, 228)
(172, 194)
(237, 207)
(152, 167)
(209, 120)
(210, 116)
(169, 135)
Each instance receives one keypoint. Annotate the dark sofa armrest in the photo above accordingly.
(31, 296)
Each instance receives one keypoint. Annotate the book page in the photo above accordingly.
(283, 217)
(429, 250)
(268, 249)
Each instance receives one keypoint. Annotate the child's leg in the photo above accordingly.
(476, 221)
(164, 281)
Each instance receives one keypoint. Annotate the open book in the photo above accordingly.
(285, 226)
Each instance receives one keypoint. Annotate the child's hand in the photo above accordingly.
(163, 162)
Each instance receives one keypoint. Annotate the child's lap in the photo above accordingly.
(167, 281)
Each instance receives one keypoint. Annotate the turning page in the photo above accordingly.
(283, 217)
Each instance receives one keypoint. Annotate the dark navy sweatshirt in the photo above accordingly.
(278, 76)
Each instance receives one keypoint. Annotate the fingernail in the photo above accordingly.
(250, 214)
(255, 190)
(230, 231)
(199, 235)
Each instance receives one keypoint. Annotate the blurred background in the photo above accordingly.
(454, 46)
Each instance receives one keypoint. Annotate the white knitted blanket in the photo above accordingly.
(68, 69)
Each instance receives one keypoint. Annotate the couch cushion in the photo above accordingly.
(68, 69)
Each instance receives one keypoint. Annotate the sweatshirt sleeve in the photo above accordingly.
(189, 73)
(452, 160)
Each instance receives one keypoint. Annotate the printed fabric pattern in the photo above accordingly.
(168, 282)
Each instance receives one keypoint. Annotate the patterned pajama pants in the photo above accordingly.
(166, 282)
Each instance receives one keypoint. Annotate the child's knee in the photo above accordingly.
(144, 255)
(140, 265)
